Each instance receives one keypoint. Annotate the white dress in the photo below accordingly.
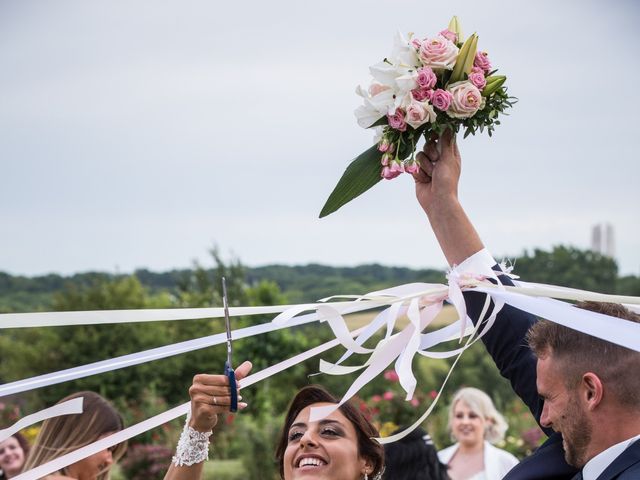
(497, 462)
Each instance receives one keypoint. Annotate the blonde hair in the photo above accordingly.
(61, 435)
(480, 403)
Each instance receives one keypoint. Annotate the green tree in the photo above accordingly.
(569, 267)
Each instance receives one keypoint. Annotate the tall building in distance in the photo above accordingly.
(603, 240)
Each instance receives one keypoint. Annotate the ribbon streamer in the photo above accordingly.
(66, 408)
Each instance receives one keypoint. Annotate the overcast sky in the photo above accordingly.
(139, 133)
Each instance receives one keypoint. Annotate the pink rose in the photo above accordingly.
(377, 88)
(396, 120)
(376, 398)
(388, 395)
(426, 78)
(396, 167)
(419, 113)
(482, 61)
(391, 375)
(387, 174)
(412, 167)
(438, 52)
(477, 78)
(416, 43)
(449, 35)
(441, 99)
(466, 101)
(421, 94)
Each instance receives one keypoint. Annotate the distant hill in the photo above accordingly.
(302, 283)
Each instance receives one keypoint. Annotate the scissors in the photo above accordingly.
(228, 369)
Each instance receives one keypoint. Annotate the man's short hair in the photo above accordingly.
(579, 353)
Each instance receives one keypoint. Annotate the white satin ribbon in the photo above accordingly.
(66, 408)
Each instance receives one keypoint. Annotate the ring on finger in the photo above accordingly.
(215, 400)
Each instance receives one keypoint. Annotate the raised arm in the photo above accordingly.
(210, 396)
(437, 193)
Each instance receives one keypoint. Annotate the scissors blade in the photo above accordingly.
(227, 322)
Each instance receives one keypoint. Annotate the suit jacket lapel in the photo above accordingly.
(629, 457)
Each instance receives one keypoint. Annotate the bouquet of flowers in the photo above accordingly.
(425, 87)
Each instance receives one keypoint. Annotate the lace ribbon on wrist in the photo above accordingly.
(193, 446)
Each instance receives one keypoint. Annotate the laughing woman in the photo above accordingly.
(339, 446)
(476, 424)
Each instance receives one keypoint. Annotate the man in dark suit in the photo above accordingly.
(584, 392)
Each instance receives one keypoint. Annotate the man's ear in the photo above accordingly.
(591, 390)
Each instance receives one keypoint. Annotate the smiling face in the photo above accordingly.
(562, 412)
(11, 457)
(467, 426)
(327, 449)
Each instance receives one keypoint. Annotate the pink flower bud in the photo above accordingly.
(383, 146)
(388, 395)
(387, 174)
(441, 99)
(414, 402)
(482, 61)
(449, 35)
(412, 167)
(396, 167)
(386, 159)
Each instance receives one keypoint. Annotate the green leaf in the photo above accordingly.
(361, 174)
(381, 121)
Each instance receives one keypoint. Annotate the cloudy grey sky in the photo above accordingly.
(138, 133)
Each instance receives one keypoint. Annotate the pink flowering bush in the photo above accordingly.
(389, 409)
(146, 462)
(426, 86)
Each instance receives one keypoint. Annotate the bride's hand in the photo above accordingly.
(210, 395)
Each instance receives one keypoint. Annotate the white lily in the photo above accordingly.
(403, 53)
(375, 106)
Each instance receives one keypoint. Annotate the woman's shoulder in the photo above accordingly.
(503, 455)
(445, 454)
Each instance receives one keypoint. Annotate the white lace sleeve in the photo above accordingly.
(193, 446)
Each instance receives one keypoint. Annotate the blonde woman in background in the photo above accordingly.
(476, 425)
(61, 435)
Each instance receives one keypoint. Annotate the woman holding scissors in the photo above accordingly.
(339, 446)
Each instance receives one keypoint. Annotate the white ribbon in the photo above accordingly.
(66, 408)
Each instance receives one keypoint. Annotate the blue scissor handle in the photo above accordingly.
(233, 385)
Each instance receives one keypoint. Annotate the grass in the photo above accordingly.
(356, 320)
